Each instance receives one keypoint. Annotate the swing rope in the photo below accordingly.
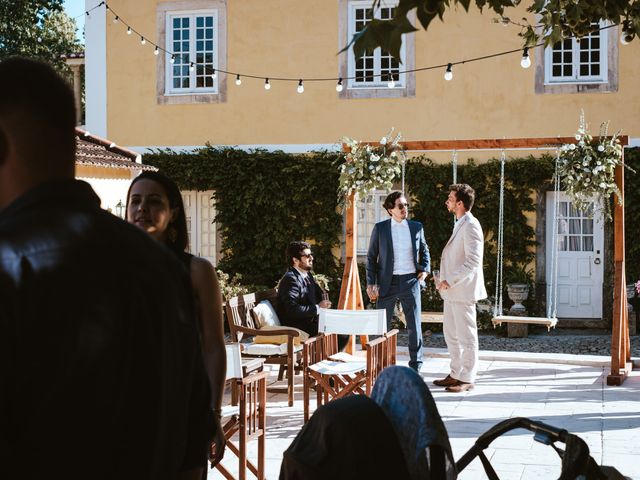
(552, 287)
(454, 166)
(497, 309)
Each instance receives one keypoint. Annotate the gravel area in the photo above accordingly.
(579, 342)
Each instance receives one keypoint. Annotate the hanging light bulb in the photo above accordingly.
(156, 50)
(267, 85)
(339, 85)
(116, 18)
(213, 74)
(191, 67)
(448, 75)
(391, 82)
(300, 87)
(173, 59)
(525, 62)
(238, 81)
(142, 40)
(128, 30)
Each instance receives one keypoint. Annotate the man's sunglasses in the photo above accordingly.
(402, 206)
(308, 255)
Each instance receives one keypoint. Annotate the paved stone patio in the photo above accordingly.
(567, 391)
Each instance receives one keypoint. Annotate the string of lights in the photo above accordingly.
(525, 60)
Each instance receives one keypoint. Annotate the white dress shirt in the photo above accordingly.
(403, 261)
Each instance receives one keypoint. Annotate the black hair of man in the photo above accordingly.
(37, 111)
(464, 193)
(294, 250)
(390, 201)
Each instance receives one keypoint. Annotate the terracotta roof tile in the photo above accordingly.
(95, 151)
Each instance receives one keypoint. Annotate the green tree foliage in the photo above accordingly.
(557, 19)
(38, 29)
(263, 201)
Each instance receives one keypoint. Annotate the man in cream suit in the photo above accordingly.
(461, 285)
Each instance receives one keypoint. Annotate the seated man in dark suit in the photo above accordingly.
(299, 296)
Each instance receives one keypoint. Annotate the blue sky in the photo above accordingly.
(75, 8)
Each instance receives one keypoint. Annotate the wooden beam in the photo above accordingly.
(491, 143)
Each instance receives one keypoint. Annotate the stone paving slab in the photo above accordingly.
(568, 393)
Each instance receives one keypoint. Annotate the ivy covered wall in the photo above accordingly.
(264, 200)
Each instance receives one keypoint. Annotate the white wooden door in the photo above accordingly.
(200, 211)
(206, 244)
(189, 200)
(580, 259)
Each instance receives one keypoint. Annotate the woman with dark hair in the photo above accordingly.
(154, 204)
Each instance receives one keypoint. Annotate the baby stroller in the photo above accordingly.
(576, 461)
(401, 403)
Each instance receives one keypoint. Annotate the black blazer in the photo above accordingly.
(298, 300)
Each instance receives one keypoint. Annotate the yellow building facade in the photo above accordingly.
(493, 98)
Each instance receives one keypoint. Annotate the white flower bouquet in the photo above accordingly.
(369, 167)
(587, 168)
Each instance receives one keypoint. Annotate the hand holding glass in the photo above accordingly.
(373, 291)
(436, 277)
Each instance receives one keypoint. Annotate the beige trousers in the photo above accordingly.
(461, 335)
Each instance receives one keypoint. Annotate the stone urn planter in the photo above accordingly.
(518, 293)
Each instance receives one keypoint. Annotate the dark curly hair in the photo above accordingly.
(294, 250)
(390, 201)
(464, 193)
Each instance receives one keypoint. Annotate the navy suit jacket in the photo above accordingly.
(380, 254)
(297, 301)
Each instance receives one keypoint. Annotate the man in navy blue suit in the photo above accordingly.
(397, 264)
(299, 296)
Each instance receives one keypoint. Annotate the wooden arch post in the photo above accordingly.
(620, 345)
(350, 292)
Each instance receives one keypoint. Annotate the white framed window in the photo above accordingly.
(375, 69)
(192, 37)
(370, 212)
(574, 61)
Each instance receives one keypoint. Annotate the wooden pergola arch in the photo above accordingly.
(351, 294)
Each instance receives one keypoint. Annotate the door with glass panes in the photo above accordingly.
(580, 258)
(200, 211)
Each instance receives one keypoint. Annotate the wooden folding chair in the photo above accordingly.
(248, 419)
(334, 374)
(242, 326)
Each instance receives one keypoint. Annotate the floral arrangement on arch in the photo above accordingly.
(369, 167)
(587, 168)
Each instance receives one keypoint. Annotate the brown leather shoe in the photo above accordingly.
(448, 381)
(460, 387)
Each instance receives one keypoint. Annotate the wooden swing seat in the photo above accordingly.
(549, 322)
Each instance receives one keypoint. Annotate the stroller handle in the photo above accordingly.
(556, 434)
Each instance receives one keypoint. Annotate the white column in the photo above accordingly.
(96, 70)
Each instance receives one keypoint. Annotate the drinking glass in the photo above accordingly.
(436, 277)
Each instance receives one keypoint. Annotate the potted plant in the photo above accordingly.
(518, 279)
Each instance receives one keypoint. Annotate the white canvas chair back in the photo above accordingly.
(234, 361)
(352, 322)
